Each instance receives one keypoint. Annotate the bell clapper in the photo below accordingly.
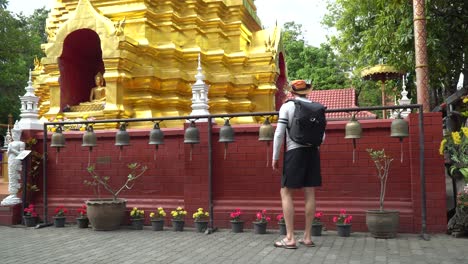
(268, 153)
(225, 149)
(354, 150)
(191, 148)
(401, 150)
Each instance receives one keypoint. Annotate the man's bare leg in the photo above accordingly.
(309, 196)
(288, 212)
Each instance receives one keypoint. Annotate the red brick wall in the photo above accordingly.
(245, 180)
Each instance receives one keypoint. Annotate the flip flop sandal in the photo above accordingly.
(311, 244)
(282, 244)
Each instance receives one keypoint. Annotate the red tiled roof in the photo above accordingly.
(337, 98)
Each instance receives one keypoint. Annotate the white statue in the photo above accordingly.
(15, 147)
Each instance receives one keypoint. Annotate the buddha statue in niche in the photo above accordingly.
(97, 97)
(98, 93)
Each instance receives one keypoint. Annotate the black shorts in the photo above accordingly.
(301, 168)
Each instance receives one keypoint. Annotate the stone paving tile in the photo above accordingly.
(19, 244)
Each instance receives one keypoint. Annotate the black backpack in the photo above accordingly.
(308, 124)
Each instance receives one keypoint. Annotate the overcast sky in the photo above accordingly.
(308, 13)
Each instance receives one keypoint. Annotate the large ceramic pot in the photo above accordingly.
(383, 224)
(106, 214)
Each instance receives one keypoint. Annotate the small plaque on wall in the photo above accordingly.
(103, 160)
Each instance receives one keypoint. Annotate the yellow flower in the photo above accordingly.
(465, 100)
(152, 214)
(465, 130)
(200, 209)
(456, 138)
(163, 213)
(132, 213)
(179, 208)
(442, 146)
(160, 209)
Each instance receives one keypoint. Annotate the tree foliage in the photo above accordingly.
(320, 65)
(21, 39)
(372, 32)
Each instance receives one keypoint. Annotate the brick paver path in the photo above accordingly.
(19, 244)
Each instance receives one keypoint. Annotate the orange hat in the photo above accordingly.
(300, 87)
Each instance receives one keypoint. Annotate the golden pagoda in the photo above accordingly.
(146, 54)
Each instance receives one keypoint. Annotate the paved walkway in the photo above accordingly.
(20, 244)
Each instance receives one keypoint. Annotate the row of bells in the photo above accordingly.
(353, 130)
(398, 129)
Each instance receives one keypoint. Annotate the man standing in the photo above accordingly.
(301, 169)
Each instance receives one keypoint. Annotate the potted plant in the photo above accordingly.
(137, 217)
(30, 216)
(82, 219)
(157, 219)
(382, 223)
(107, 213)
(261, 221)
(178, 219)
(317, 225)
(59, 217)
(281, 224)
(237, 225)
(343, 223)
(201, 220)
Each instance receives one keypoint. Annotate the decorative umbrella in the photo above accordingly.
(381, 72)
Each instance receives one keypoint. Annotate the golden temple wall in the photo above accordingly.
(150, 51)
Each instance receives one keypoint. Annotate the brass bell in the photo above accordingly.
(226, 133)
(156, 136)
(192, 135)
(353, 128)
(399, 128)
(266, 131)
(58, 139)
(89, 138)
(122, 138)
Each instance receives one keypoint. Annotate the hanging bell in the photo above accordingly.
(192, 135)
(122, 138)
(399, 128)
(156, 136)
(58, 139)
(89, 138)
(266, 131)
(353, 128)
(226, 133)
